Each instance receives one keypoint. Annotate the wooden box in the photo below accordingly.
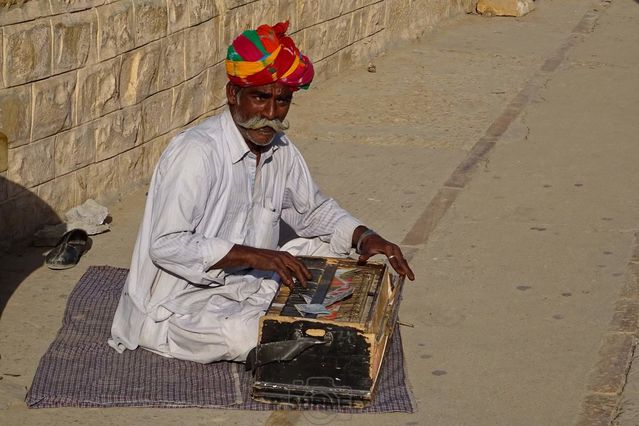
(330, 359)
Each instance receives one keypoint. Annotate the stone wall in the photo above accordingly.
(91, 91)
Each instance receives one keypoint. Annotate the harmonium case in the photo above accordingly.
(334, 357)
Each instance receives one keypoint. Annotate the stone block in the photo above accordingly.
(118, 132)
(331, 68)
(315, 47)
(139, 73)
(357, 25)
(234, 4)
(150, 20)
(424, 22)
(189, 101)
(27, 52)
(320, 71)
(374, 23)
(26, 11)
(58, 6)
(288, 11)
(328, 9)
(59, 193)
(31, 165)
(171, 68)
(418, 23)
(375, 44)
(5, 226)
(338, 34)
(216, 87)
(202, 47)
(308, 13)
(235, 21)
(346, 59)
(177, 15)
(102, 179)
(360, 52)
(15, 114)
(349, 6)
(53, 105)
(1, 63)
(4, 153)
(76, 148)
(108, 179)
(81, 177)
(505, 7)
(43, 214)
(98, 90)
(156, 114)
(202, 10)
(398, 21)
(131, 168)
(264, 12)
(116, 29)
(4, 187)
(23, 215)
(74, 40)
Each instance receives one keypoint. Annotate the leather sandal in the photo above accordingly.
(68, 251)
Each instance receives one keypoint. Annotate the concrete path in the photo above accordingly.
(502, 154)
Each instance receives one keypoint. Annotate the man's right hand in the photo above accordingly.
(285, 264)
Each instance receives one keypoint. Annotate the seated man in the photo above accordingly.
(206, 263)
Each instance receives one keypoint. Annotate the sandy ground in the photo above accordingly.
(517, 273)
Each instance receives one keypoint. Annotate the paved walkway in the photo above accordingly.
(502, 154)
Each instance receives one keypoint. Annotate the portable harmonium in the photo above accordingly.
(324, 344)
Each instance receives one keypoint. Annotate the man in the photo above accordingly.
(206, 263)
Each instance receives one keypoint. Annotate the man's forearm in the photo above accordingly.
(238, 256)
(183, 254)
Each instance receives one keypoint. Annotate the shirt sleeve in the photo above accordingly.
(185, 182)
(310, 214)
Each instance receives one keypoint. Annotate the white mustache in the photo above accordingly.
(257, 122)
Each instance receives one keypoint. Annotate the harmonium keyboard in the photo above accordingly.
(324, 344)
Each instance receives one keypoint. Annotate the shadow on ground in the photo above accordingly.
(19, 219)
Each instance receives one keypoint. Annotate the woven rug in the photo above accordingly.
(80, 370)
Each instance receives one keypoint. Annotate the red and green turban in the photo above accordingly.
(266, 55)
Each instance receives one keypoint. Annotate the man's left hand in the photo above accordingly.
(374, 244)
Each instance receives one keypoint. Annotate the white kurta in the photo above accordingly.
(207, 194)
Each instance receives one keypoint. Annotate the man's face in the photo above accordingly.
(252, 107)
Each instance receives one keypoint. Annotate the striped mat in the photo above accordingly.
(80, 370)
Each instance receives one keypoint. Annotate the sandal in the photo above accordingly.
(68, 251)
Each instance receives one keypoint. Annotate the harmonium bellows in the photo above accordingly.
(325, 343)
